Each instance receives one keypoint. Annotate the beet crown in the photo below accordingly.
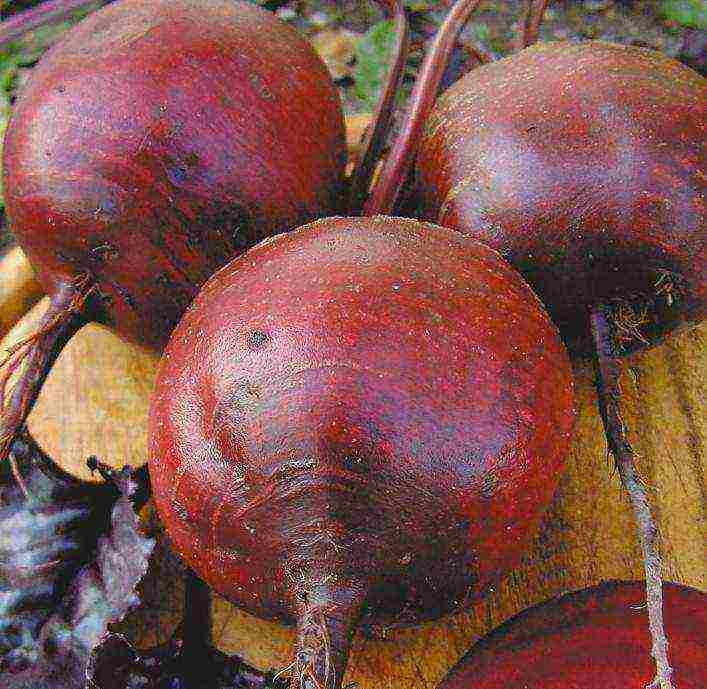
(362, 420)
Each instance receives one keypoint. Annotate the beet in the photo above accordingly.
(583, 166)
(591, 638)
(156, 142)
(358, 423)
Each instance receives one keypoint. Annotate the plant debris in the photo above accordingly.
(71, 555)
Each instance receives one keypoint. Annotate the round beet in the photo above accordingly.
(359, 422)
(154, 143)
(583, 165)
(591, 638)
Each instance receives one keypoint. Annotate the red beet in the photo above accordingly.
(591, 638)
(156, 142)
(358, 423)
(583, 166)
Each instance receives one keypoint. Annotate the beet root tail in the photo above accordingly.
(36, 356)
(327, 614)
(609, 400)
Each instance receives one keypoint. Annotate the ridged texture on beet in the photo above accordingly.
(583, 164)
(378, 406)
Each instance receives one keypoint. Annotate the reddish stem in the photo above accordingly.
(478, 55)
(387, 188)
(52, 11)
(374, 138)
(529, 27)
(63, 318)
(609, 400)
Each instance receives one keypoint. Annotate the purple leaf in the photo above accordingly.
(187, 661)
(71, 554)
(116, 664)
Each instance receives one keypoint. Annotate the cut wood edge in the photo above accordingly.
(19, 289)
(95, 399)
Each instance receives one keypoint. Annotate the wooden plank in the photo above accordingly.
(95, 399)
(19, 289)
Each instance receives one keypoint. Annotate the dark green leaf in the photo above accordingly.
(373, 55)
(689, 13)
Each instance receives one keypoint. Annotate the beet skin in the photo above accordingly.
(360, 422)
(160, 139)
(592, 638)
(157, 141)
(583, 165)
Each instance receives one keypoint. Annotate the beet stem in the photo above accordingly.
(393, 174)
(55, 10)
(64, 317)
(529, 25)
(327, 616)
(609, 400)
(375, 135)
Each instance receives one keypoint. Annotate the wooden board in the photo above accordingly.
(18, 288)
(95, 399)
(95, 402)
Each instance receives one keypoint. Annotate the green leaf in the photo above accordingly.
(373, 55)
(422, 5)
(4, 117)
(481, 32)
(689, 13)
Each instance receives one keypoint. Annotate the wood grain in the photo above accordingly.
(95, 402)
(95, 399)
(18, 288)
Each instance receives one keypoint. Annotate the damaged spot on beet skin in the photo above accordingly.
(257, 339)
